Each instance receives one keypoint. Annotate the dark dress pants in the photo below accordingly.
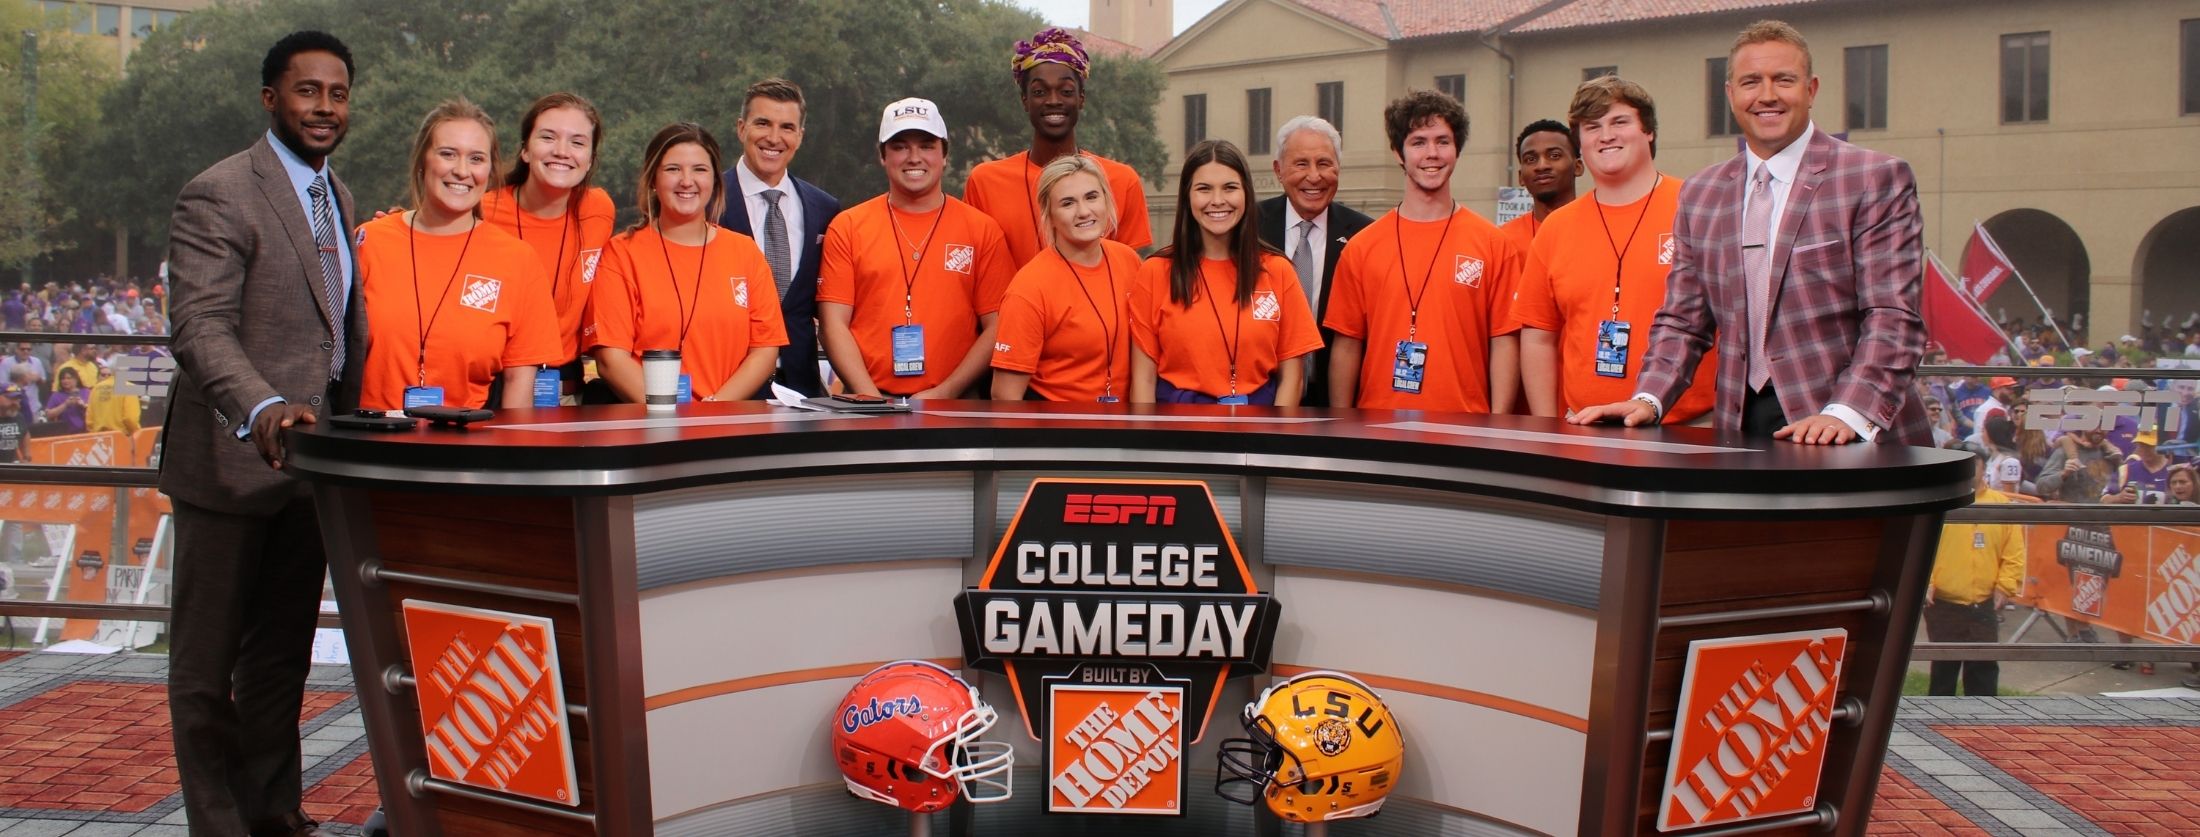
(247, 598)
(1951, 622)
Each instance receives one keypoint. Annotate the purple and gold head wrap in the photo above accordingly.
(1051, 44)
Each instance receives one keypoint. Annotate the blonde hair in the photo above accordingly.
(452, 110)
(1052, 176)
(1766, 32)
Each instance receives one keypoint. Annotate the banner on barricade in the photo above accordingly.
(2140, 580)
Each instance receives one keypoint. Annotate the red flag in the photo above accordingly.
(1954, 320)
(1984, 265)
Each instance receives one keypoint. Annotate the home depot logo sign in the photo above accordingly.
(2174, 609)
(1115, 749)
(492, 706)
(1755, 712)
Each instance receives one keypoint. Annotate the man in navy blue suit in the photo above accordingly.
(786, 215)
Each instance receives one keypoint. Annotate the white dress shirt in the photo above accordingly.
(790, 207)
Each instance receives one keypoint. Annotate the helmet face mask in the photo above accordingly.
(909, 734)
(1319, 746)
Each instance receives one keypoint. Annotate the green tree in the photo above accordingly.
(71, 75)
(191, 95)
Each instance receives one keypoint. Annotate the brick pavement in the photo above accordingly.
(84, 753)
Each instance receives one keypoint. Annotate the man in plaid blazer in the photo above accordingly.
(1799, 259)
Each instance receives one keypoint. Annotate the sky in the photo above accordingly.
(1074, 12)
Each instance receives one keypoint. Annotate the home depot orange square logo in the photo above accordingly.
(492, 707)
(1115, 749)
(1754, 716)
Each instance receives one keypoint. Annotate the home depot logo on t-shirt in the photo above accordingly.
(588, 264)
(481, 293)
(960, 257)
(741, 291)
(1469, 272)
(1665, 248)
(1265, 307)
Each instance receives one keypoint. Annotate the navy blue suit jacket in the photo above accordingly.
(798, 359)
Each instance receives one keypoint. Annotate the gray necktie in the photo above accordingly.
(775, 241)
(332, 270)
(1303, 259)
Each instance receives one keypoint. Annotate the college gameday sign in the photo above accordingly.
(1117, 609)
(1750, 736)
(492, 706)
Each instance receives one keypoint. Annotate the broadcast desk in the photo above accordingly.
(1522, 593)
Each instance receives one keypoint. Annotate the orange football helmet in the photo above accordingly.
(907, 735)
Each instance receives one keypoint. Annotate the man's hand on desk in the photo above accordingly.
(1632, 412)
(1820, 429)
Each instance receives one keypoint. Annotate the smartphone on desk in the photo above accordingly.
(373, 420)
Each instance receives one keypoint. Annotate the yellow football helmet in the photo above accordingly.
(1319, 746)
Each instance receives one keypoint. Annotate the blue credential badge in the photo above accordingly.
(423, 397)
(1409, 367)
(686, 393)
(908, 351)
(1611, 357)
(547, 388)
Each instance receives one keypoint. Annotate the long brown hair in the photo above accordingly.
(653, 155)
(451, 110)
(1246, 248)
(518, 175)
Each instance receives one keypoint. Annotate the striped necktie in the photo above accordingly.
(332, 270)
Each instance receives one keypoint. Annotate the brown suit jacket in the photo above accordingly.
(249, 322)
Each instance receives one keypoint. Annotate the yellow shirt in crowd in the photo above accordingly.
(1975, 559)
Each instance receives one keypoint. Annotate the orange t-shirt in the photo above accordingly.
(1521, 231)
(1461, 270)
(570, 244)
(482, 299)
(1008, 190)
(1192, 344)
(867, 265)
(1567, 289)
(650, 292)
(1058, 325)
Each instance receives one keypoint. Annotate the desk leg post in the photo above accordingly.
(611, 616)
(370, 623)
(1619, 702)
(1905, 570)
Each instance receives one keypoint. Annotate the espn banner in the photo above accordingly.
(2141, 580)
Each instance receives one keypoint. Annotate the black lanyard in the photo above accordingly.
(908, 276)
(425, 323)
(1238, 322)
(1108, 339)
(565, 225)
(1413, 321)
(1619, 251)
(687, 314)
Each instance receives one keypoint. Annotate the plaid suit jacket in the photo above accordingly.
(1845, 327)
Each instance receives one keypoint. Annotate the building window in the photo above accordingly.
(1865, 78)
(79, 20)
(1195, 119)
(1329, 103)
(1588, 73)
(141, 22)
(110, 20)
(2191, 52)
(162, 18)
(1257, 125)
(1720, 121)
(2024, 77)
(1454, 85)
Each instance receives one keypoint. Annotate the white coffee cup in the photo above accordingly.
(661, 379)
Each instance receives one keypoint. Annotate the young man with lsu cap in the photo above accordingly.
(910, 284)
(1421, 292)
(1051, 71)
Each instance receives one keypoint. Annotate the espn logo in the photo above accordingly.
(1116, 509)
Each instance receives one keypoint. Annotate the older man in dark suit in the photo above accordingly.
(1309, 226)
(1800, 260)
(269, 334)
(786, 215)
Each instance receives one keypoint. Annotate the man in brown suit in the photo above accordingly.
(269, 334)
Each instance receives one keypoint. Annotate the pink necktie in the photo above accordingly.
(1757, 272)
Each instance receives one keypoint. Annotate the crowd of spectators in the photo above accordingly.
(62, 386)
(2149, 462)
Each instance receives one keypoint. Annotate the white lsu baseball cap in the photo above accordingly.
(911, 114)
